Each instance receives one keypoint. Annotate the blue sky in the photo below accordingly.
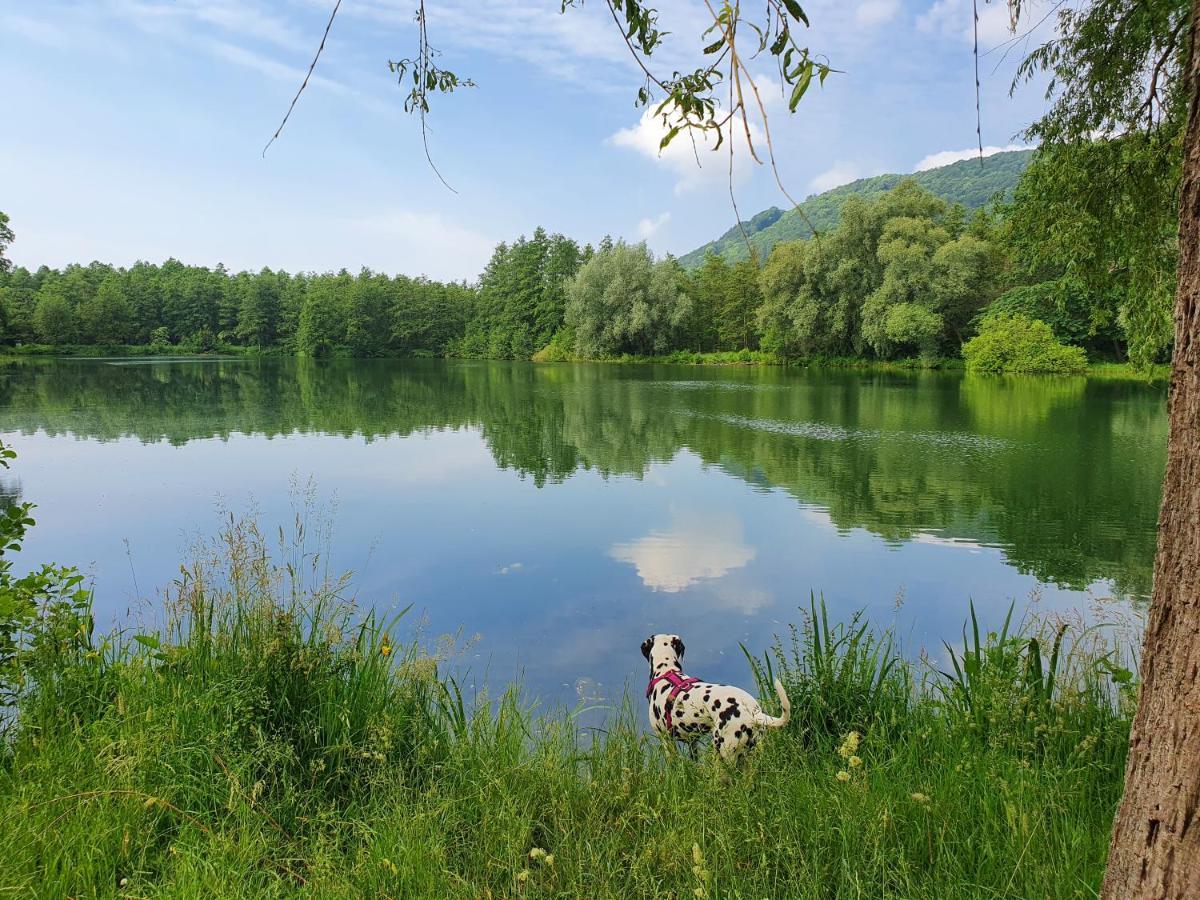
(133, 129)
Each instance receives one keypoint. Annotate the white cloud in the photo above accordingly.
(580, 45)
(691, 157)
(237, 17)
(945, 157)
(842, 172)
(694, 549)
(646, 228)
(952, 19)
(875, 12)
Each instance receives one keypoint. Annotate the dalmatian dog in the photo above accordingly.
(683, 709)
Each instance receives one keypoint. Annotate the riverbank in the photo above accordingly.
(755, 358)
(1106, 370)
(271, 737)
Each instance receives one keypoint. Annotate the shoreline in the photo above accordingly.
(1117, 371)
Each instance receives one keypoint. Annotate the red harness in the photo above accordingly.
(679, 684)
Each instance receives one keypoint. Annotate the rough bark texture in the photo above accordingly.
(1155, 850)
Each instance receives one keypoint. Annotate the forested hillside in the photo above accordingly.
(965, 182)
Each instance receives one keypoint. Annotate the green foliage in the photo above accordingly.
(104, 317)
(913, 325)
(1112, 252)
(45, 617)
(1015, 344)
(899, 275)
(1064, 306)
(965, 182)
(1099, 207)
(624, 301)
(522, 297)
(54, 320)
(6, 238)
(201, 310)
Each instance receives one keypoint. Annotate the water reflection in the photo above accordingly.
(1063, 475)
(696, 547)
(562, 512)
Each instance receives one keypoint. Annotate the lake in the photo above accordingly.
(560, 513)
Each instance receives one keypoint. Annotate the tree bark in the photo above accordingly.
(1155, 848)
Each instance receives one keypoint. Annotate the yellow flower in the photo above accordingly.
(849, 745)
(523, 876)
(923, 799)
(386, 649)
(537, 853)
(855, 761)
(843, 775)
(549, 859)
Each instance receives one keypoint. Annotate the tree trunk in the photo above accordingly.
(1155, 849)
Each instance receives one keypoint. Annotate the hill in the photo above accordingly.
(964, 182)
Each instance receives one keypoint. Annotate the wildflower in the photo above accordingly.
(549, 859)
(537, 853)
(523, 876)
(699, 892)
(385, 649)
(389, 865)
(843, 775)
(849, 745)
(855, 761)
(923, 799)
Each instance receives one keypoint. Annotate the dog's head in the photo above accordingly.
(663, 652)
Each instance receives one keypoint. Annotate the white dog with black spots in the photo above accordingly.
(684, 709)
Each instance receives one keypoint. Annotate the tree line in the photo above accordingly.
(903, 274)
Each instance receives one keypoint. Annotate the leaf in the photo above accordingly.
(148, 640)
(801, 87)
(796, 11)
(670, 136)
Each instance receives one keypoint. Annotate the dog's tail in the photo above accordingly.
(761, 718)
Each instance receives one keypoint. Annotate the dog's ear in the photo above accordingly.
(677, 645)
(646, 645)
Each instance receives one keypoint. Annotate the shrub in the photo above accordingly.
(560, 349)
(1018, 344)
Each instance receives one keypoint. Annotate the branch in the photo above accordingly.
(307, 76)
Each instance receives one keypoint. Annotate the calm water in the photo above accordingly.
(561, 513)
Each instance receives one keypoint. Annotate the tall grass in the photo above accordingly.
(272, 739)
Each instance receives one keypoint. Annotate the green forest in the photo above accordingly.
(903, 275)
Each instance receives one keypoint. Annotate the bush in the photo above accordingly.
(1020, 345)
(560, 349)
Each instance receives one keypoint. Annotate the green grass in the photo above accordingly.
(1128, 372)
(271, 739)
